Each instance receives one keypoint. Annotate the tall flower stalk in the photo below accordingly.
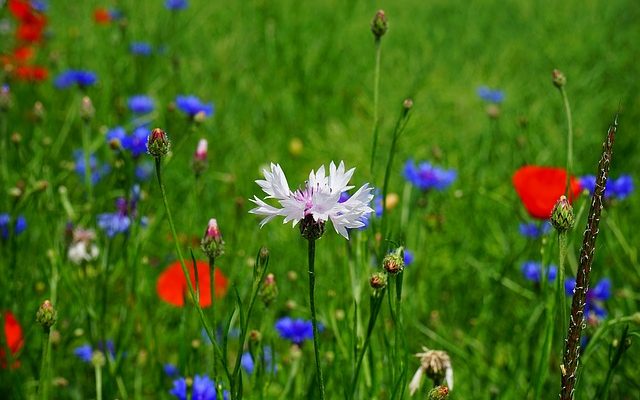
(572, 344)
(312, 206)
(378, 28)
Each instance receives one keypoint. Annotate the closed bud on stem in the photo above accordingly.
(158, 143)
(378, 280)
(562, 217)
(559, 80)
(438, 393)
(200, 157)
(46, 315)
(379, 24)
(407, 104)
(262, 260)
(393, 262)
(98, 359)
(269, 290)
(87, 111)
(212, 243)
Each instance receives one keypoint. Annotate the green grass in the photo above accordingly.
(281, 70)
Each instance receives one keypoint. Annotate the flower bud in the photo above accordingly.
(87, 111)
(562, 217)
(255, 336)
(379, 24)
(46, 315)
(393, 263)
(269, 290)
(158, 143)
(378, 280)
(311, 229)
(559, 80)
(98, 359)
(438, 393)
(407, 104)
(200, 157)
(212, 243)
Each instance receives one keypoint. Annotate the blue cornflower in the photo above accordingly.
(170, 370)
(534, 230)
(425, 176)
(141, 104)
(83, 352)
(532, 271)
(267, 355)
(136, 143)
(619, 188)
(40, 5)
(595, 296)
(203, 389)
(117, 222)
(20, 224)
(176, 4)
(191, 105)
(490, 95)
(97, 169)
(141, 48)
(295, 330)
(408, 257)
(75, 77)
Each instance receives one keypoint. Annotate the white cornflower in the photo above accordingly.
(319, 198)
(81, 248)
(436, 364)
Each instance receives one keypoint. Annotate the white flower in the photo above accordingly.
(319, 198)
(80, 252)
(435, 364)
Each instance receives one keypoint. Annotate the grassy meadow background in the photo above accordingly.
(292, 83)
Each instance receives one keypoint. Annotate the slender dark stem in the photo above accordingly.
(314, 322)
(43, 386)
(376, 305)
(567, 110)
(212, 268)
(576, 320)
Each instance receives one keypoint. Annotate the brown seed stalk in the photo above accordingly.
(576, 320)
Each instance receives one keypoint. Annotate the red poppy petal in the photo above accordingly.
(172, 285)
(539, 188)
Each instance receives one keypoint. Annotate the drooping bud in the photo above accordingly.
(436, 364)
(269, 290)
(87, 111)
(438, 393)
(158, 143)
(562, 217)
(46, 315)
(311, 229)
(393, 263)
(559, 80)
(379, 24)
(212, 243)
(200, 157)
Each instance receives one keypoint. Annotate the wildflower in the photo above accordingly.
(75, 77)
(82, 249)
(295, 330)
(425, 176)
(101, 16)
(269, 290)
(494, 96)
(84, 352)
(407, 257)
(534, 230)
(438, 393)
(158, 143)
(619, 188)
(562, 217)
(378, 280)
(601, 292)
(248, 363)
(136, 143)
(19, 225)
(40, 5)
(379, 24)
(12, 337)
(539, 188)
(140, 48)
(31, 21)
(46, 315)
(176, 5)
(191, 105)
(202, 388)
(200, 157)
(140, 104)
(170, 370)
(172, 285)
(117, 222)
(393, 263)
(436, 365)
(558, 78)
(532, 271)
(317, 202)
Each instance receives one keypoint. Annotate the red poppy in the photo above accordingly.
(13, 337)
(540, 188)
(31, 73)
(102, 16)
(23, 54)
(20, 8)
(172, 285)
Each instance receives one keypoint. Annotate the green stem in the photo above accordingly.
(567, 110)
(196, 303)
(376, 305)
(87, 166)
(44, 366)
(98, 370)
(562, 244)
(212, 267)
(376, 94)
(314, 322)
